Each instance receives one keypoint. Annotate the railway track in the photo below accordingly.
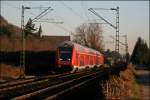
(16, 82)
(53, 91)
(21, 88)
(24, 81)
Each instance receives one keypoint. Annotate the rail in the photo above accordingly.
(21, 88)
(51, 87)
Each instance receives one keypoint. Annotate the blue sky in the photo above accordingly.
(134, 17)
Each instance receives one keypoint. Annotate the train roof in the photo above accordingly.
(78, 47)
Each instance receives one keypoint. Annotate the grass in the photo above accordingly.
(135, 91)
(123, 87)
(8, 72)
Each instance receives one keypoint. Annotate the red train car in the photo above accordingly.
(72, 56)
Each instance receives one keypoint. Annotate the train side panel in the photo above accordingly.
(74, 57)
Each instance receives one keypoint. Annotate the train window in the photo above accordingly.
(65, 54)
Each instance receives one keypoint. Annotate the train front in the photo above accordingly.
(64, 59)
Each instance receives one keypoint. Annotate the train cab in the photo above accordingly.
(64, 58)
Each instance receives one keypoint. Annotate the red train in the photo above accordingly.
(71, 56)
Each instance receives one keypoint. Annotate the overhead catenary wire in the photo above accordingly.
(61, 27)
(93, 20)
(94, 12)
(68, 7)
(85, 7)
(41, 14)
(56, 24)
(61, 18)
(119, 41)
(115, 27)
(84, 10)
(12, 6)
(29, 12)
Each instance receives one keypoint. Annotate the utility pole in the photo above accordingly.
(117, 30)
(124, 44)
(22, 55)
(116, 27)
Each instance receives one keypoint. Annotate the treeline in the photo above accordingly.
(141, 53)
(8, 29)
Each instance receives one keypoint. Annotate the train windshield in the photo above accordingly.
(65, 54)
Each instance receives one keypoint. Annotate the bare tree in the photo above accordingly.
(89, 35)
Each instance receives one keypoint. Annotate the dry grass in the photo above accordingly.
(8, 72)
(123, 87)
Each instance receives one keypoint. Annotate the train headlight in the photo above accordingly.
(60, 59)
(69, 59)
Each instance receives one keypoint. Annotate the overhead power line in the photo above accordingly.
(41, 14)
(116, 27)
(55, 22)
(12, 6)
(94, 12)
(81, 17)
(23, 57)
(84, 10)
